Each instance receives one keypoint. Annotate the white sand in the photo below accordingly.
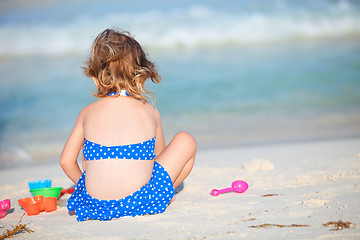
(316, 182)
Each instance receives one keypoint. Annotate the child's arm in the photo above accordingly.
(160, 139)
(73, 145)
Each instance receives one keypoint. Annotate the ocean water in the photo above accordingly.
(234, 73)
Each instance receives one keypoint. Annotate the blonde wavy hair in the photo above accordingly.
(118, 62)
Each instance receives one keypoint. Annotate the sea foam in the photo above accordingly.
(190, 27)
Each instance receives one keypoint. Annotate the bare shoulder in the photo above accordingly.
(85, 111)
(154, 111)
(92, 106)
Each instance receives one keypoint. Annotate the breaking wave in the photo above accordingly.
(197, 26)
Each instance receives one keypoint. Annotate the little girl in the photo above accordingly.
(128, 170)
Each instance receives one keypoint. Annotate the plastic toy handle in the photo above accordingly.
(217, 192)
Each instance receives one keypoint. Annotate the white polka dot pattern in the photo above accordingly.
(137, 151)
(152, 198)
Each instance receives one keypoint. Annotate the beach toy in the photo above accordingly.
(237, 186)
(43, 183)
(35, 205)
(65, 191)
(4, 206)
(47, 192)
(49, 204)
(32, 205)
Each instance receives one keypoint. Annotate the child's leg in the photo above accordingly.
(178, 157)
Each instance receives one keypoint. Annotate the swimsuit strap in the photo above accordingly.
(122, 93)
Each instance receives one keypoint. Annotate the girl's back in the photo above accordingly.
(118, 121)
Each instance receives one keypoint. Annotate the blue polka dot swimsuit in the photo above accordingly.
(152, 198)
(138, 151)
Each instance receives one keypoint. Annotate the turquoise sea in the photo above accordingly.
(235, 73)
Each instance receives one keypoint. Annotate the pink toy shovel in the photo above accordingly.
(237, 186)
